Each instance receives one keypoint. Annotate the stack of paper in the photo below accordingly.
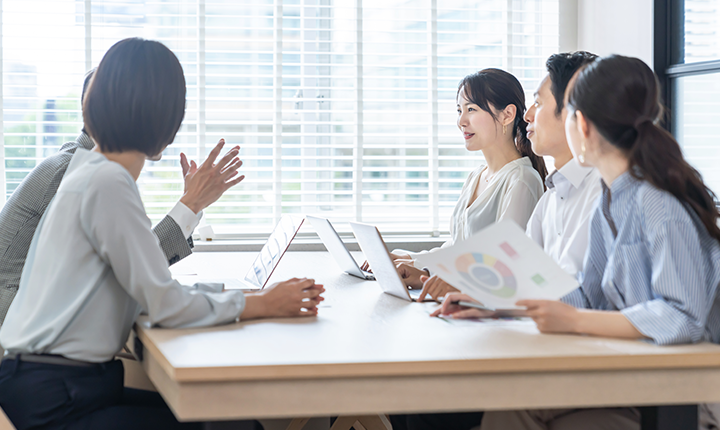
(499, 266)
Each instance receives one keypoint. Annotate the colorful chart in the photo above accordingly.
(488, 273)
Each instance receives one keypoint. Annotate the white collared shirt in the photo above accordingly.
(561, 219)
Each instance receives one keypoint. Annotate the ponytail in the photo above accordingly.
(621, 97)
(657, 158)
(523, 145)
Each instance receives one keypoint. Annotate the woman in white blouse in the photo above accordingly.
(491, 107)
(94, 263)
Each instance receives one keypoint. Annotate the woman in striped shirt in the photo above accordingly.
(652, 266)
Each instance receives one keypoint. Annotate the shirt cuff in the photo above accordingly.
(662, 323)
(185, 218)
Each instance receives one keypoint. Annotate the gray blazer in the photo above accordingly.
(21, 214)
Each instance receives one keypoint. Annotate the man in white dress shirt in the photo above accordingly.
(560, 221)
(560, 224)
(561, 218)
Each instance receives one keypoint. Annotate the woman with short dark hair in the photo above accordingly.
(94, 263)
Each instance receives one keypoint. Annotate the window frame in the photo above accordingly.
(669, 28)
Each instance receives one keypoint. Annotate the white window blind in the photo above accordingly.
(343, 108)
(701, 31)
(696, 99)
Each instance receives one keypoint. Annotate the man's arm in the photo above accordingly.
(172, 241)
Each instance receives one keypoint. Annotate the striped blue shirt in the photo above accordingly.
(652, 259)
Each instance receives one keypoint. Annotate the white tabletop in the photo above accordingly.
(361, 332)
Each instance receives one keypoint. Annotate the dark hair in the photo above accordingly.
(621, 97)
(136, 98)
(86, 84)
(561, 68)
(500, 89)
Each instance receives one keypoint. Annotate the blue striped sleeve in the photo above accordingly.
(679, 306)
(576, 298)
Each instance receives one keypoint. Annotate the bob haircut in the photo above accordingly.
(136, 98)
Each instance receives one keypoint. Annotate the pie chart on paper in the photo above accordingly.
(487, 273)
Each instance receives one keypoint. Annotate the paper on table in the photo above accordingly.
(499, 266)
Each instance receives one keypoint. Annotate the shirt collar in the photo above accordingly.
(85, 141)
(621, 183)
(572, 171)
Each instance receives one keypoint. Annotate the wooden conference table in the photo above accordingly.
(368, 352)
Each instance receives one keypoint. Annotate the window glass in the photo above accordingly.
(340, 112)
(696, 115)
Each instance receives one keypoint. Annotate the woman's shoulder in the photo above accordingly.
(89, 171)
(522, 170)
(659, 207)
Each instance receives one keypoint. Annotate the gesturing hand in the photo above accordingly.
(204, 185)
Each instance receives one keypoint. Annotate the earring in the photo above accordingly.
(504, 128)
(581, 156)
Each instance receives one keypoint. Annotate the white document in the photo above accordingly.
(499, 266)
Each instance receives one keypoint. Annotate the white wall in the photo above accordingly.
(610, 27)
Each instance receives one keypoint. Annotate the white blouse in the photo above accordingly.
(93, 265)
(511, 194)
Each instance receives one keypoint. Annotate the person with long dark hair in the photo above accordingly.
(652, 266)
(491, 106)
(94, 263)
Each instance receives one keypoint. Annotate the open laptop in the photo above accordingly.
(266, 261)
(373, 246)
(337, 249)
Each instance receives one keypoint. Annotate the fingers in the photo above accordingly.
(227, 158)
(531, 305)
(437, 312)
(448, 306)
(301, 283)
(184, 164)
(431, 286)
(233, 182)
(193, 166)
(424, 292)
(443, 289)
(210, 160)
(312, 312)
(231, 168)
(468, 313)
(311, 293)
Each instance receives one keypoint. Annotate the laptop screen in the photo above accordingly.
(273, 250)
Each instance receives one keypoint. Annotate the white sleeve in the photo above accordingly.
(114, 220)
(185, 218)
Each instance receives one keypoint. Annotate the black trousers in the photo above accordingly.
(455, 421)
(48, 396)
